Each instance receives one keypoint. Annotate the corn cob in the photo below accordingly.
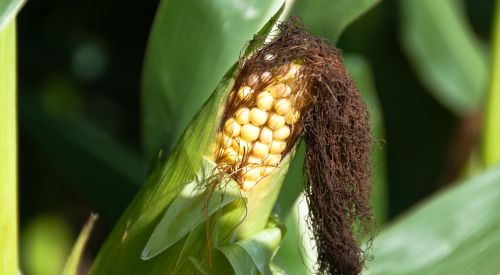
(260, 124)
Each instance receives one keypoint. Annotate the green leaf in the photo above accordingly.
(255, 253)
(8, 11)
(8, 149)
(455, 232)
(188, 211)
(74, 260)
(329, 18)
(491, 146)
(445, 53)
(191, 45)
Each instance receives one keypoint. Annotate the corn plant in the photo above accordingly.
(226, 172)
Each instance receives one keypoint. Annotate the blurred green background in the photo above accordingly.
(80, 68)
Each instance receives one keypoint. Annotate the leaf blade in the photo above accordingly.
(453, 233)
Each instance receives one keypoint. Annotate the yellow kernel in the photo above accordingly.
(231, 127)
(266, 135)
(260, 149)
(258, 117)
(292, 117)
(265, 101)
(251, 173)
(241, 146)
(254, 160)
(242, 116)
(282, 106)
(292, 71)
(276, 121)
(253, 80)
(265, 76)
(282, 133)
(222, 138)
(244, 92)
(269, 57)
(249, 132)
(277, 147)
(280, 90)
(272, 160)
(247, 185)
(230, 156)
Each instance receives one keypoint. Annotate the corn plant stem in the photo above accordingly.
(8, 151)
(491, 145)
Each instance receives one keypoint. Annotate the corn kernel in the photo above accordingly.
(260, 149)
(276, 121)
(249, 132)
(244, 92)
(266, 135)
(242, 116)
(253, 80)
(241, 146)
(254, 160)
(292, 117)
(282, 133)
(232, 128)
(277, 147)
(230, 156)
(280, 90)
(265, 76)
(292, 71)
(258, 117)
(282, 106)
(251, 173)
(265, 101)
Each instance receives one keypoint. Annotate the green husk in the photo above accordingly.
(237, 220)
(8, 150)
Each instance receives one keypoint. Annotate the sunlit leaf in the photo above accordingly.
(454, 232)
(8, 148)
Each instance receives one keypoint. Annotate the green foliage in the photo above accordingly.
(8, 145)
(491, 145)
(455, 232)
(445, 53)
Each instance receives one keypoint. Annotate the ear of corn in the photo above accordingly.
(122, 250)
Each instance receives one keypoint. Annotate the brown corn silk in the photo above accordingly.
(334, 122)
